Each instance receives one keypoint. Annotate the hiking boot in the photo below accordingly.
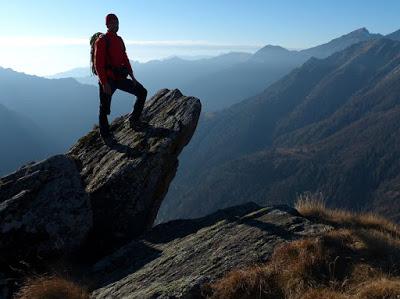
(108, 139)
(106, 135)
(136, 123)
(104, 131)
(139, 125)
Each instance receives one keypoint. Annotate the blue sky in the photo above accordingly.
(45, 37)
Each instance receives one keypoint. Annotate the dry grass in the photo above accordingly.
(323, 294)
(51, 287)
(313, 206)
(255, 282)
(360, 259)
(379, 289)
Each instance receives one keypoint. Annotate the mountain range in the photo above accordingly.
(229, 78)
(60, 110)
(330, 126)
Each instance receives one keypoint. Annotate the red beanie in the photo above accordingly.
(110, 17)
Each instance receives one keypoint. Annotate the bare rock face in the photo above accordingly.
(177, 259)
(128, 179)
(44, 210)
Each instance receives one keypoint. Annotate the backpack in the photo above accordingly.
(93, 40)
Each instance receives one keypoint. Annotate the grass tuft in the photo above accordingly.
(51, 287)
(313, 206)
(379, 289)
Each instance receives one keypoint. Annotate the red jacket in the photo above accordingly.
(116, 56)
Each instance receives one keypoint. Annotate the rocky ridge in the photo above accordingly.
(180, 258)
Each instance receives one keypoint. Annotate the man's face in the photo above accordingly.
(113, 26)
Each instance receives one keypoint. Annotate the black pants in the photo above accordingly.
(131, 86)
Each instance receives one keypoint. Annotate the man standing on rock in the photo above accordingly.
(113, 67)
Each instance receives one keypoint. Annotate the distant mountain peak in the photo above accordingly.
(359, 32)
(275, 54)
(273, 48)
(270, 50)
(341, 43)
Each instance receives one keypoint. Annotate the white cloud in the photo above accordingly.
(188, 43)
(40, 41)
(49, 55)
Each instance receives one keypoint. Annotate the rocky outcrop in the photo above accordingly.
(127, 181)
(178, 259)
(102, 193)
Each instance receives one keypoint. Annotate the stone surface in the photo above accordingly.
(99, 195)
(44, 210)
(176, 259)
(127, 180)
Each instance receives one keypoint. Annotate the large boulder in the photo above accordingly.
(177, 259)
(44, 210)
(128, 179)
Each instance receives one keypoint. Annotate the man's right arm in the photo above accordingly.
(100, 60)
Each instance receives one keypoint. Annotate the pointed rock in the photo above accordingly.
(128, 179)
